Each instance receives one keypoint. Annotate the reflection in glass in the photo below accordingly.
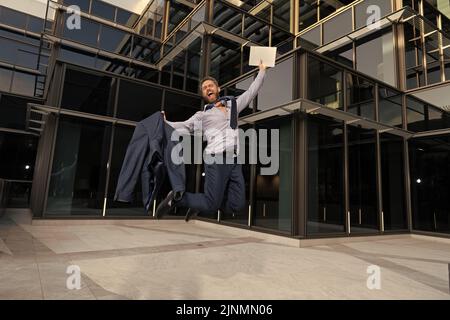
(122, 136)
(193, 66)
(393, 184)
(277, 87)
(13, 18)
(88, 92)
(83, 4)
(115, 41)
(308, 13)
(362, 171)
(273, 193)
(225, 60)
(390, 107)
(430, 183)
(337, 27)
(87, 35)
(375, 56)
(5, 79)
(180, 107)
(178, 12)
(103, 10)
(78, 57)
(328, 7)
(256, 31)
(361, 96)
(324, 84)
(423, 117)
(23, 83)
(227, 18)
(78, 178)
(311, 39)
(137, 101)
(325, 176)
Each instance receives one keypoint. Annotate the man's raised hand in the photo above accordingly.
(262, 66)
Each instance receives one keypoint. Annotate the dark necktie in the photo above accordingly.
(233, 117)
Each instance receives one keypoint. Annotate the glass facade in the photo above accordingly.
(359, 154)
(362, 176)
(326, 201)
(273, 193)
(78, 176)
(430, 189)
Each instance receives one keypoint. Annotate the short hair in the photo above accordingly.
(206, 79)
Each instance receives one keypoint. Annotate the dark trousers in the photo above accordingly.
(224, 190)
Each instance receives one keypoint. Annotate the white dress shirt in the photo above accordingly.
(215, 123)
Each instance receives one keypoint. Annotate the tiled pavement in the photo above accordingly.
(135, 259)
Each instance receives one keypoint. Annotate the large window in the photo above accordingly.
(137, 101)
(413, 57)
(225, 60)
(277, 87)
(78, 176)
(105, 10)
(324, 84)
(393, 183)
(375, 56)
(18, 53)
(390, 107)
(423, 117)
(325, 176)
(273, 193)
(308, 13)
(430, 183)
(180, 107)
(227, 18)
(122, 136)
(88, 92)
(361, 96)
(362, 176)
(337, 27)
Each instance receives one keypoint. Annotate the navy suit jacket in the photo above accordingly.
(149, 156)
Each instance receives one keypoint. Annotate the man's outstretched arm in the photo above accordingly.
(185, 127)
(244, 99)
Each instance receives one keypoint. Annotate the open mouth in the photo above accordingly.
(210, 94)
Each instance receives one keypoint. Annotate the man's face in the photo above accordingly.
(210, 91)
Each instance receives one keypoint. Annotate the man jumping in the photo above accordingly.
(224, 182)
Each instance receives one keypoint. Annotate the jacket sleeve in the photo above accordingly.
(175, 171)
(132, 165)
(186, 127)
(244, 99)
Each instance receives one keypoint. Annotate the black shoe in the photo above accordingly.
(190, 213)
(165, 206)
